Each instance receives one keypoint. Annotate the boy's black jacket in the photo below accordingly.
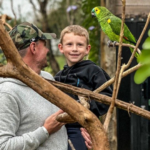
(86, 74)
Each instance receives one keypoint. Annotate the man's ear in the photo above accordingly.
(32, 47)
(60, 46)
(88, 49)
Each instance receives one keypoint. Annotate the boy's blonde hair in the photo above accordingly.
(77, 30)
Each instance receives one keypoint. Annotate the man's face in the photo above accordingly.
(74, 48)
(41, 54)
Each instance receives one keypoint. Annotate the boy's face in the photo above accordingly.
(74, 48)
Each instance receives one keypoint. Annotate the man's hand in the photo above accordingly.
(51, 124)
(86, 136)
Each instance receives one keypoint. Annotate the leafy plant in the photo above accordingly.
(144, 59)
(93, 27)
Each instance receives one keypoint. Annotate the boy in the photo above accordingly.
(74, 44)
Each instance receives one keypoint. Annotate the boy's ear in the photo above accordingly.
(88, 49)
(60, 46)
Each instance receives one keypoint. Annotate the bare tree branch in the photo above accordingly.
(16, 68)
(35, 10)
(108, 83)
(101, 98)
(1, 1)
(65, 118)
(138, 42)
(71, 145)
(19, 10)
(125, 45)
(12, 8)
(111, 81)
(117, 83)
(33, 5)
(4, 18)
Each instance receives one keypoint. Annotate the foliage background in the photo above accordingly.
(58, 18)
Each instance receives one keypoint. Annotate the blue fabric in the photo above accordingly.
(74, 134)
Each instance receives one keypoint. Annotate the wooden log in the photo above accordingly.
(16, 68)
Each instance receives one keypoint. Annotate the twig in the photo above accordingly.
(131, 58)
(120, 76)
(19, 10)
(130, 105)
(1, 1)
(71, 145)
(106, 84)
(124, 67)
(17, 69)
(125, 45)
(8, 25)
(116, 85)
(99, 98)
(68, 119)
(4, 18)
(111, 81)
(35, 10)
(138, 42)
(12, 8)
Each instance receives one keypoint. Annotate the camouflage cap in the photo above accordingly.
(25, 33)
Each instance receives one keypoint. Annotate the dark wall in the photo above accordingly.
(133, 131)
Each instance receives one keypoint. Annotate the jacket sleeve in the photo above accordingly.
(10, 121)
(97, 80)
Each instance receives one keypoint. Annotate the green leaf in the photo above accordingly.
(142, 73)
(146, 44)
(87, 6)
(149, 33)
(144, 58)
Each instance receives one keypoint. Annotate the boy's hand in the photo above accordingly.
(51, 124)
(86, 136)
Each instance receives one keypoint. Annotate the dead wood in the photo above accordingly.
(118, 73)
(101, 98)
(67, 119)
(16, 68)
(4, 18)
(13, 11)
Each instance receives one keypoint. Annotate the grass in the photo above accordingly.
(61, 61)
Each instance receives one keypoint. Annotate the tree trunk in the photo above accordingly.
(52, 60)
(45, 28)
(16, 68)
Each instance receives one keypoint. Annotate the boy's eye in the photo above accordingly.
(80, 44)
(69, 43)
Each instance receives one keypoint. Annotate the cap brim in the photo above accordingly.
(50, 35)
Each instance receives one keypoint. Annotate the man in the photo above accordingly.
(27, 120)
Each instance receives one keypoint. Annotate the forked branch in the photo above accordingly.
(16, 68)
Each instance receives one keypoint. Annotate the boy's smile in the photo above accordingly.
(74, 48)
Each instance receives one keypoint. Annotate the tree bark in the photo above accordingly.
(108, 63)
(129, 107)
(52, 60)
(16, 68)
(1, 1)
(45, 28)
